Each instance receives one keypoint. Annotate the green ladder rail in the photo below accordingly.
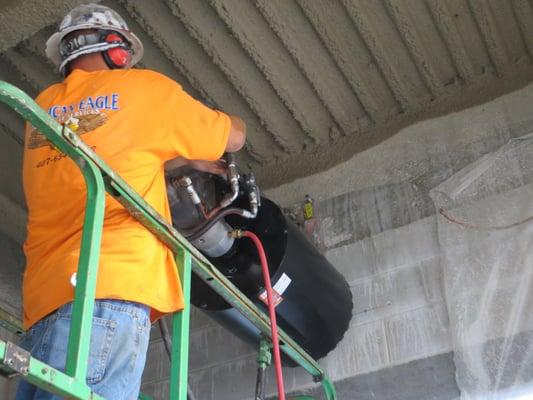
(99, 179)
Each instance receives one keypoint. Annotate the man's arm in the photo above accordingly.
(237, 134)
(236, 140)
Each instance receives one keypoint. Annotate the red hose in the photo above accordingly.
(271, 312)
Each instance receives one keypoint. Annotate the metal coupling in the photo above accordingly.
(236, 233)
(233, 178)
(254, 204)
(186, 182)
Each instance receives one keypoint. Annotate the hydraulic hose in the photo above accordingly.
(271, 312)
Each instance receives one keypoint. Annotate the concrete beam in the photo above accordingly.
(339, 35)
(333, 91)
(204, 25)
(372, 22)
(25, 62)
(19, 20)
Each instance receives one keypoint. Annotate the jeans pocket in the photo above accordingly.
(101, 341)
(103, 331)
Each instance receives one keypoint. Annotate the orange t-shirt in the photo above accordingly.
(135, 120)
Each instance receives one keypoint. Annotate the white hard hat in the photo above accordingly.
(92, 16)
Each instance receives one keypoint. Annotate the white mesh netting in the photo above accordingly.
(485, 224)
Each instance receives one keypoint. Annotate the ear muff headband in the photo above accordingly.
(115, 50)
(117, 57)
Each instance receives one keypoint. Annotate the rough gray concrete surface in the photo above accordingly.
(316, 81)
(429, 379)
(21, 19)
(423, 154)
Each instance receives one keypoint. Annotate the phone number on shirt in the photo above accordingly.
(51, 160)
(46, 161)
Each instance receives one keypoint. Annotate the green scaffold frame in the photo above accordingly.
(99, 179)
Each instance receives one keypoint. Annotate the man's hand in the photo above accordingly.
(218, 167)
(236, 140)
(237, 134)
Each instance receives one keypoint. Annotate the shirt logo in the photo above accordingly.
(82, 117)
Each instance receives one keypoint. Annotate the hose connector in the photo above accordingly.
(186, 182)
(254, 204)
(233, 178)
(236, 233)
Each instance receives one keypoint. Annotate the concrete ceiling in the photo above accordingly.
(316, 80)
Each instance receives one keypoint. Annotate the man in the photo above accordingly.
(136, 120)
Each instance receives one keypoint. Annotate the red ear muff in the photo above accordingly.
(118, 57)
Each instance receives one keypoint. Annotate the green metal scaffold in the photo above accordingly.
(99, 179)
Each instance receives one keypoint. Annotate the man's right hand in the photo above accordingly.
(237, 134)
(218, 167)
(236, 140)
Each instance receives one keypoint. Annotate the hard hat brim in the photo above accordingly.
(52, 44)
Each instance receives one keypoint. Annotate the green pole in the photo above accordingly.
(67, 142)
(180, 332)
(86, 276)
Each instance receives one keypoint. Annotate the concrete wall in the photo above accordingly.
(379, 229)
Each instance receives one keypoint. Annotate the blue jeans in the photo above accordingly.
(119, 341)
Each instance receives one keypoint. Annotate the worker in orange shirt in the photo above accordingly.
(136, 120)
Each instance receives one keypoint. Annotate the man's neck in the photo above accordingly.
(90, 63)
